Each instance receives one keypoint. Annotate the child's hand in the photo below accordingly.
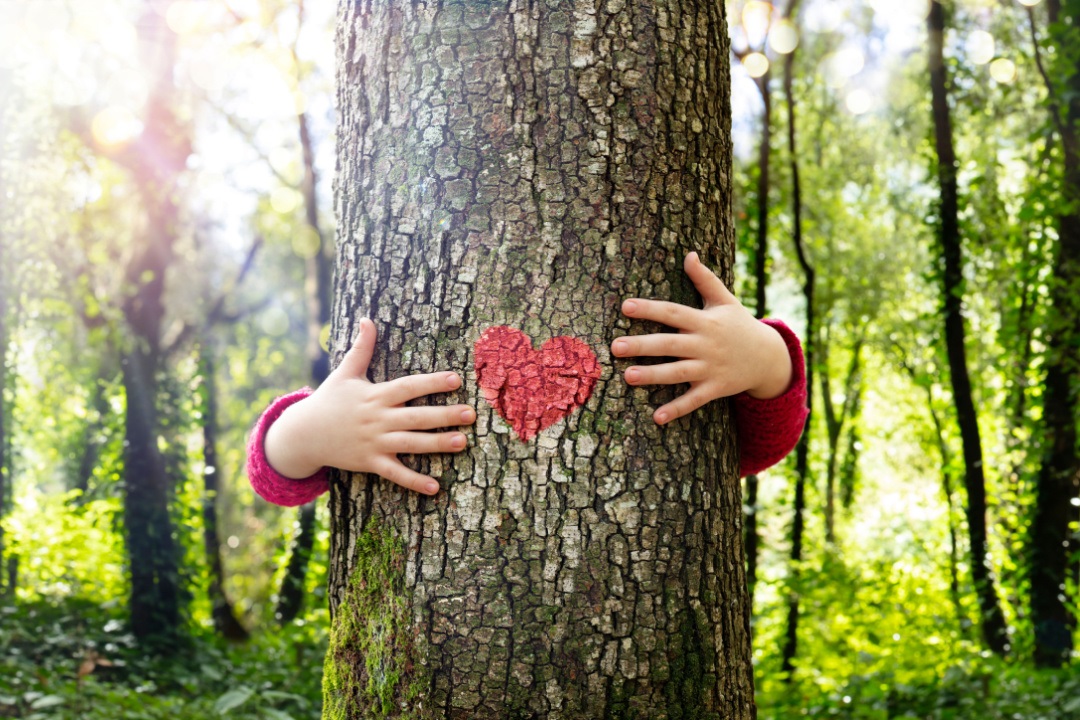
(360, 426)
(726, 351)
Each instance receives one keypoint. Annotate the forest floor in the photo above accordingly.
(76, 661)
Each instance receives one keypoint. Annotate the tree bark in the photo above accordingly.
(991, 617)
(532, 165)
(1058, 483)
(802, 449)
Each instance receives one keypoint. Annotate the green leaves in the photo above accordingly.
(233, 699)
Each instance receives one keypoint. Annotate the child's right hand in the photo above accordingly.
(360, 426)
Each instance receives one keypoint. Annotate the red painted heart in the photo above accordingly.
(534, 389)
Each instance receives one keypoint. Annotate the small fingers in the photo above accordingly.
(430, 418)
(685, 404)
(682, 371)
(356, 360)
(658, 345)
(411, 387)
(419, 443)
(661, 311)
(395, 472)
(711, 288)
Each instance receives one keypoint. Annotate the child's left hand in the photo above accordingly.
(725, 350)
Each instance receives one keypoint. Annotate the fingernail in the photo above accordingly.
(458, 442)
(619, 347)
(467, 416)
(452, 381)
(432, 488)
(629, 307)
(661, 417)
(633, 375)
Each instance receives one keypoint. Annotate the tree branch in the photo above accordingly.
(216, 313)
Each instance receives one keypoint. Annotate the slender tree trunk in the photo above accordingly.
(5, 487)
(947, 491)
(318, 290)
(158, 157)
(225, 620)
(802, 449)
(1058, 482)
(761, 275)
(834, 425)
(991, 617)
(849, 469)
(92, 443)
(532, 165)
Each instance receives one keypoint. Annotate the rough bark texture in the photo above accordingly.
(990, 615)
(1059, 475)
(532, 164)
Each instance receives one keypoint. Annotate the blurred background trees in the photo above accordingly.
(165, 229)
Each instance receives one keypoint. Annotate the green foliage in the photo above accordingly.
(75, 658)
(978, 689)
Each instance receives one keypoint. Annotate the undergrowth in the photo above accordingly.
(76, 660)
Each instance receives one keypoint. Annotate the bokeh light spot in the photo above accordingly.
(784, 38)
(274, 321)
(981, 47)
(185, 17)
(859, 102)
(115, 126)
(756, 64)
(755, 21)
(1003, 71)
(284, 200)
(843, 65)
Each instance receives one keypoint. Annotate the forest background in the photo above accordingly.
(867, 608)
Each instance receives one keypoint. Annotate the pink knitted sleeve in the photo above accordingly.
(271, 485)
(769, 429)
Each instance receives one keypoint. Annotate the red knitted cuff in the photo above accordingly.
(769, 429)
(271, 485)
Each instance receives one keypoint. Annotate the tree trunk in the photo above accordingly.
(802, 449)
(834, 424)
(5, 486)
(761, 275)
(533, 166)
(318, 290)
(1059, 475)
(154, 162)
(225, 620)
(92, 435)
(992, 619)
